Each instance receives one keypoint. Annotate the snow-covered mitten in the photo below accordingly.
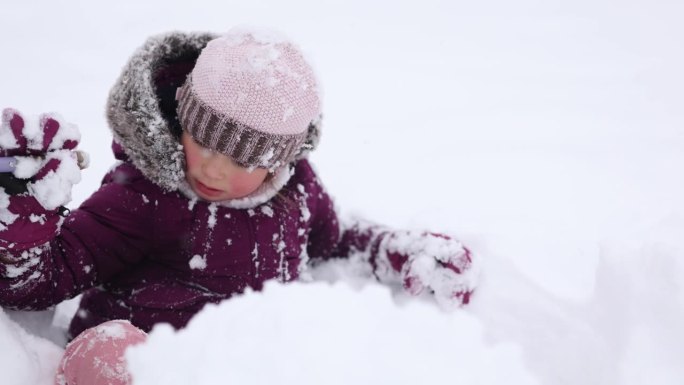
(41, 152)
(427, 261)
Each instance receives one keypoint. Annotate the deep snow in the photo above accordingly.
(547, 136)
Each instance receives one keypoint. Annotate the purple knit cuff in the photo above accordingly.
(246, 146)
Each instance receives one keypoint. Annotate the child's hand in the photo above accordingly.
(41, 153)
(435, 262)
(42, 156)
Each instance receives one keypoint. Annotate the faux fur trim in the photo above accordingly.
(138, 125)
(134, 114)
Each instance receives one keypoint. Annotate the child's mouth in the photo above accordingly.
(206, 190)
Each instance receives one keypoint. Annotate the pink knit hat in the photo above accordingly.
(253, 98)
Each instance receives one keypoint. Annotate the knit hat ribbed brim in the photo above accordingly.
(252, 99)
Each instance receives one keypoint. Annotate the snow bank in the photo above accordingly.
(24, 358)
(318, 333)
(639, 304)
(541, 134)
(628, 331)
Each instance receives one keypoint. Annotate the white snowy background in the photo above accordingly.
(547, 135)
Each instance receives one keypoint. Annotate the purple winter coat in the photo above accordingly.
(143, 248)
(150, 256)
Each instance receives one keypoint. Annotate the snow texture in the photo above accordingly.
(436, 349)
(54, 189)
(546, 135)
(111, 331)
(198, 262)
(67, 131)
(26, 359)
(7, 138)
(6, 217)
(27, 166)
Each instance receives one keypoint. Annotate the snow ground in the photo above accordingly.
(547, 135)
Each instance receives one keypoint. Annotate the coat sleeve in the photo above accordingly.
(416, 260)
(332, 237)
(106, 234)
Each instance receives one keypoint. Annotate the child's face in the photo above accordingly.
(215, 177)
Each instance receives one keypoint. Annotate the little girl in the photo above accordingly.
(212, 194)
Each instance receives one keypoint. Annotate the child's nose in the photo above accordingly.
(215, 167)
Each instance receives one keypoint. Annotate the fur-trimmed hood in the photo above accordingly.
(134, 107)
(141, 111)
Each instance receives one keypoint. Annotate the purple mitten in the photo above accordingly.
(428, 261)
(42, 151)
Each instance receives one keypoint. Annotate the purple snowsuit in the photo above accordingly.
(142, 248)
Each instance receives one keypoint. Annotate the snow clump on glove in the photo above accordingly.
(41, 150)
(432, 262)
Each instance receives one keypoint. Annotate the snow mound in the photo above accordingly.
(639, 304)
(627, 332)
(24, 358)
(317, 333)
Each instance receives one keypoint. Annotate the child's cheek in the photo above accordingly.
(245, 184)
(191, 160)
